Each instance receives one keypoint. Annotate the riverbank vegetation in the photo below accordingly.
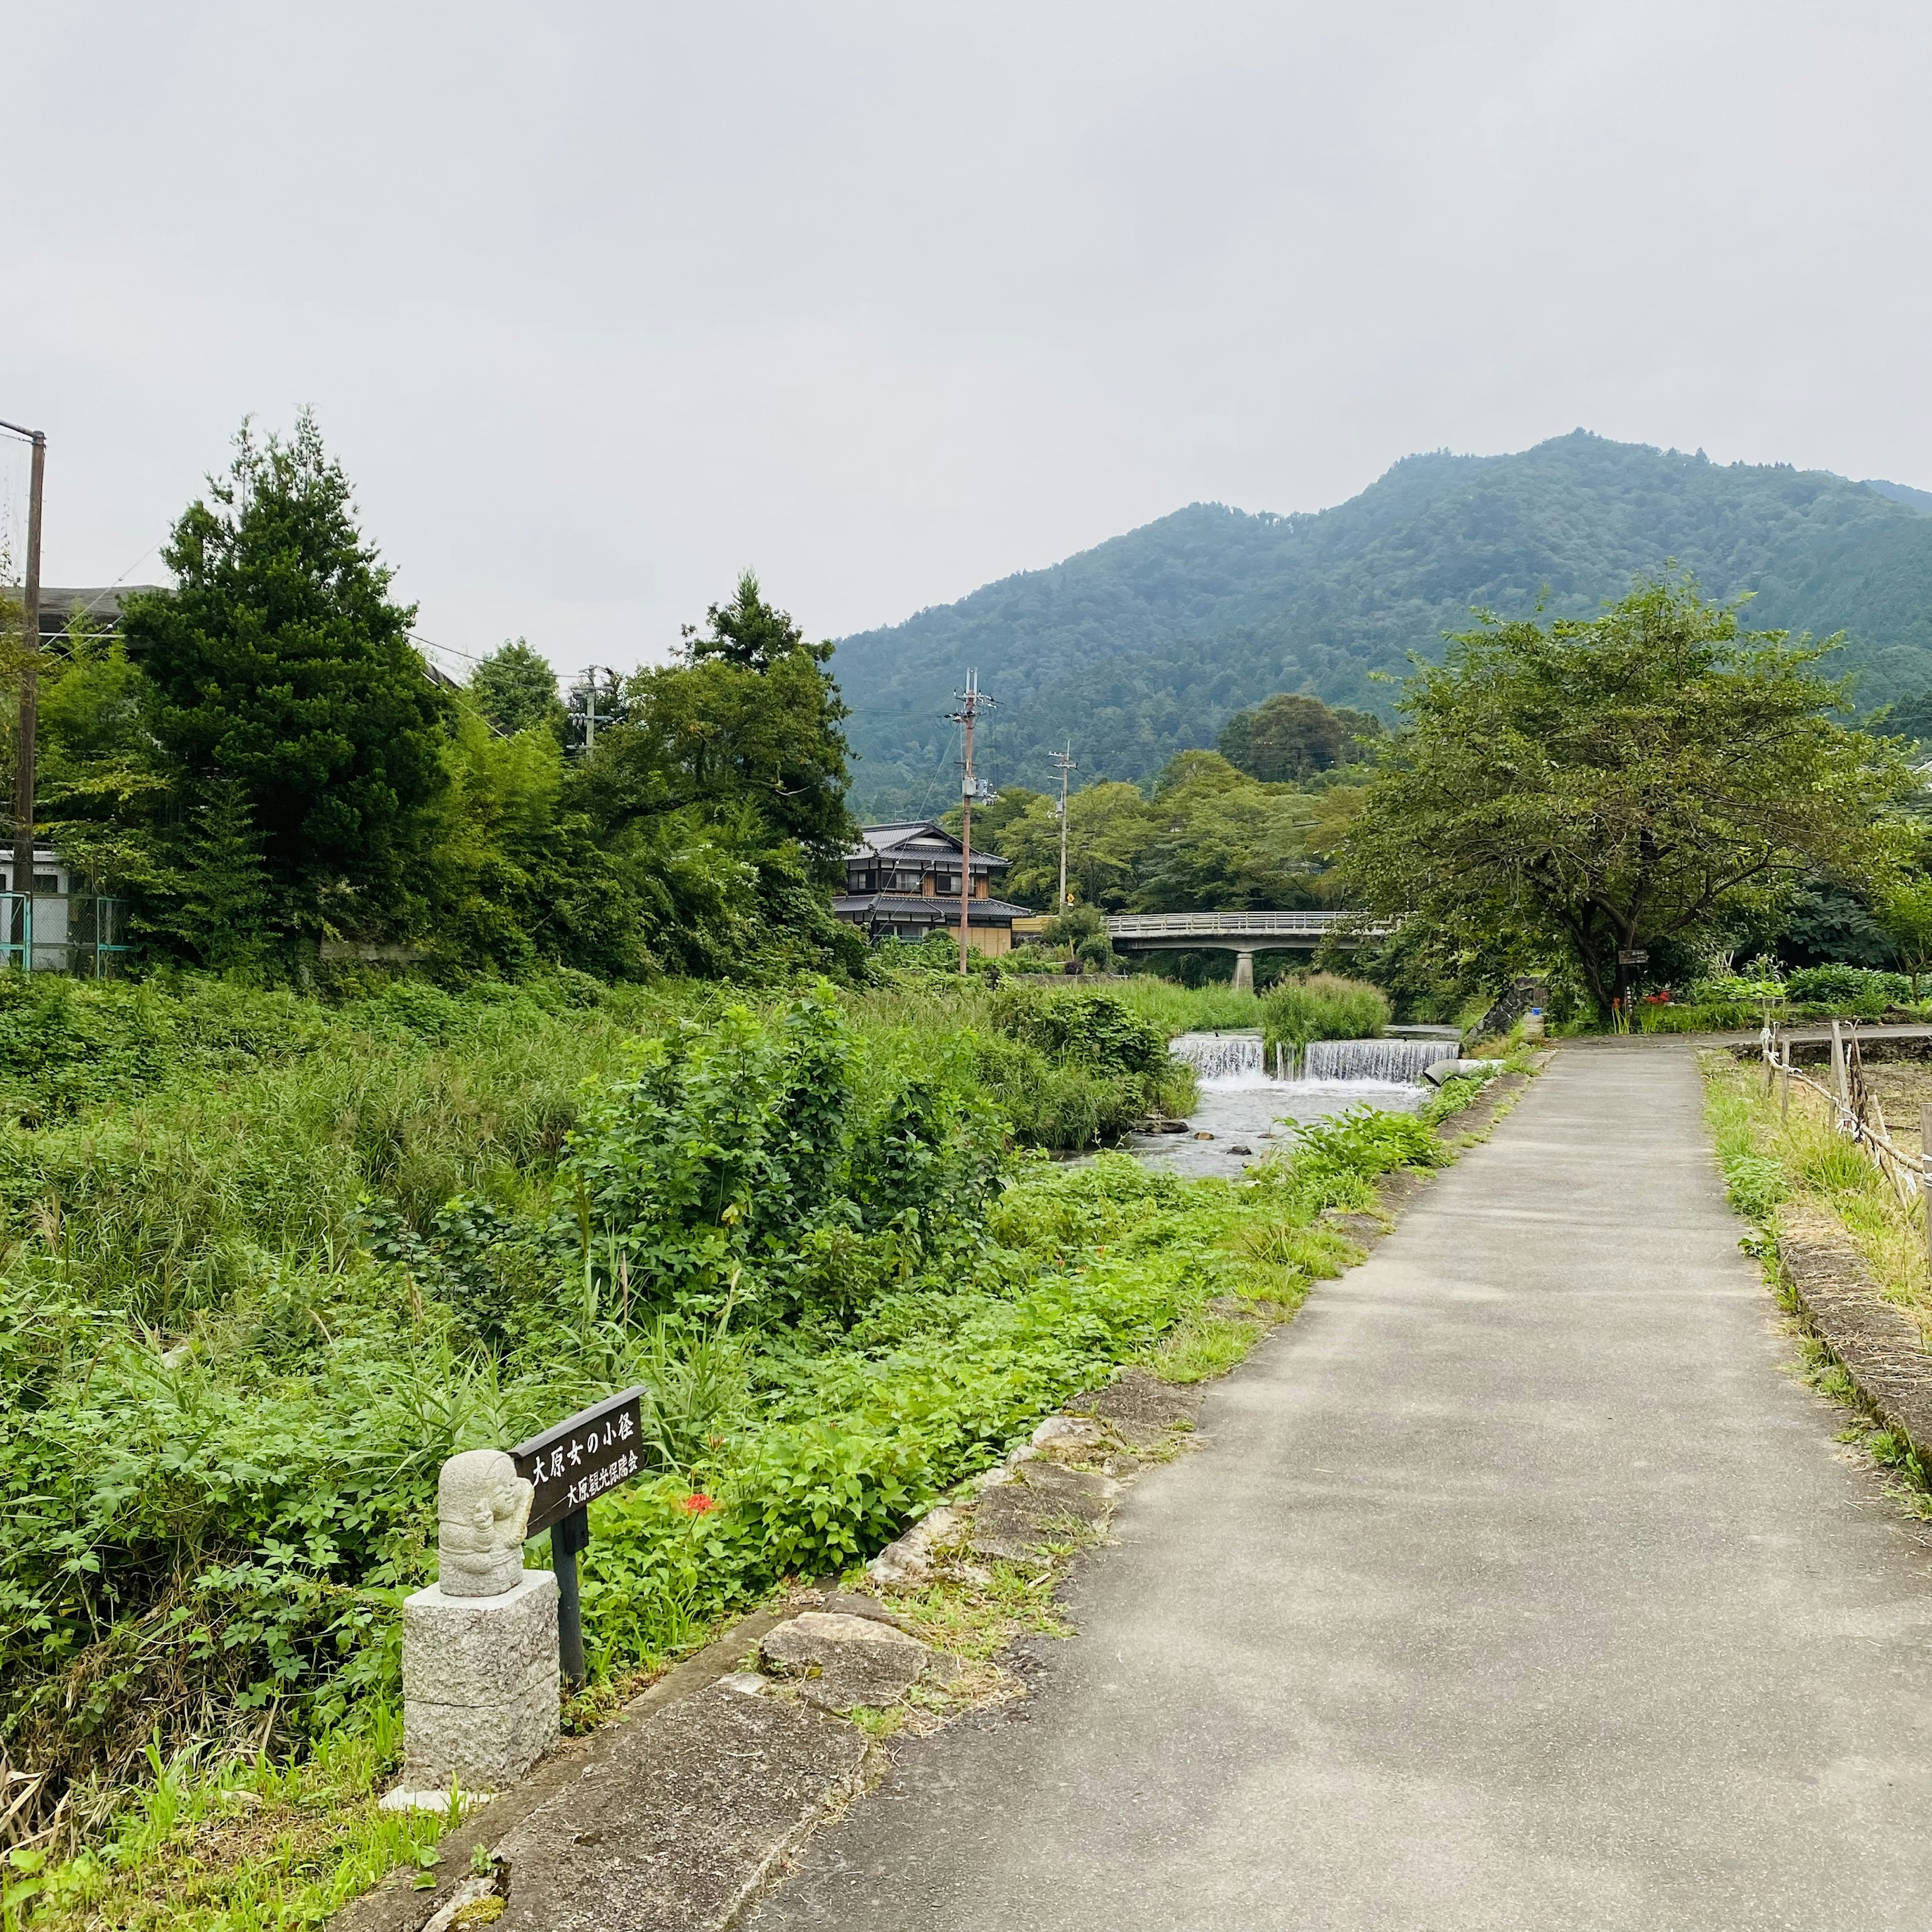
(1324, 1006)
(1800, 1180)
(266, 1263)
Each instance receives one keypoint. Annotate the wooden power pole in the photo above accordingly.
(30, 690)
(1064, 760)
(971, 699)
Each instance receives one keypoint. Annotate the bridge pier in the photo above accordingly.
(1244, 969)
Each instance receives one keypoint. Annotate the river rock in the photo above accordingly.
(841, 1662)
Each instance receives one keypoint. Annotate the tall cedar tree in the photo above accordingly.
(280, 667)
(1651, 776)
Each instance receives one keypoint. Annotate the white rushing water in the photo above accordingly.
(1221, 1056)
(1242, 1111)
(1398, 1059)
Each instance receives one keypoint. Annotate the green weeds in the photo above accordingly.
(1769, 1158)
(247, 1306)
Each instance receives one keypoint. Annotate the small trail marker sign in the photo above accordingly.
(573, 1461)
(586, 1456)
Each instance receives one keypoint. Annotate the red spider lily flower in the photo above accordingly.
(699, 1505)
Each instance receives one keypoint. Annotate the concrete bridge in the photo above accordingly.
(1242, 934)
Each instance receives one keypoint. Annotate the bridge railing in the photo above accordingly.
(1229, 924)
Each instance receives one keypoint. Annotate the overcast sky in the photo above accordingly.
(597, 304)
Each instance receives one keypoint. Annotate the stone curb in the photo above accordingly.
(395, 1905)
(1877, 1342)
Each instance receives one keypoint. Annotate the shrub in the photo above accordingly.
(209, 1514)
(1325, 1005)
(1095, 1028)
(1844, 988)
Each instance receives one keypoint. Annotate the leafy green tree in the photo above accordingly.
(1362, 731)
(1910, 718)
(1108, 827)
(1224, 843)
(516, 877)
(213, 900)
(280, 666)
(1285, 737)
(723, 793)
(515, 688)
(1821, 923)
(991, 823)
(750, 721)
(1601, 786)
(1209, 839)
(103, 791)
(1905, 912)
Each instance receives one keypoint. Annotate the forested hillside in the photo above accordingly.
(1145, 645)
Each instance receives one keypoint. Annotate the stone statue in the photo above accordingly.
(483, 1506)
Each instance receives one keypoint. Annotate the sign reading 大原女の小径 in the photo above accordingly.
(573, 1461)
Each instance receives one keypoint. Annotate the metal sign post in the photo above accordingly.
(567, 1465)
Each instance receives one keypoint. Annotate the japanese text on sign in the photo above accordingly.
(577, 1459)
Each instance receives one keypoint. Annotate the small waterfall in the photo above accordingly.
(1221, 1056)
(1398, 1060)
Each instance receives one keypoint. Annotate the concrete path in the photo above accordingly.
(1522, 1587)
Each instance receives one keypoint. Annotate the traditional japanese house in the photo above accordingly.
(904, 879)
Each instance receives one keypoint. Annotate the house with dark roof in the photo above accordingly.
(904, 879)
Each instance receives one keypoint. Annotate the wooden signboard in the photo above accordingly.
(582, 1457)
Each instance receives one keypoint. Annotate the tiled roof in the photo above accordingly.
(901, 905)
(924, 839)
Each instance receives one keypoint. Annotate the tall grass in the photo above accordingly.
(1175, 1009)
(1325, 1005)
(1768, 1161)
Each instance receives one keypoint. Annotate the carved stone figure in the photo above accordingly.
(483, 1506)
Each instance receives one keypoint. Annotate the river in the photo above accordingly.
(1242, 1117)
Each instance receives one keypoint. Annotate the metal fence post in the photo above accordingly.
(567, 1539)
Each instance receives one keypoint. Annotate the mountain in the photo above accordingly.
(1146, 644)
(1900, 493)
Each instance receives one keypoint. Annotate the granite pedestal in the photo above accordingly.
(479, 1684)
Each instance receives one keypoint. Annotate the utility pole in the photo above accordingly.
(590, 704)
(1064, 760)
(30, 692)
(971, 699)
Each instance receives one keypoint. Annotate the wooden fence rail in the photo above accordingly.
(1857, 1112)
